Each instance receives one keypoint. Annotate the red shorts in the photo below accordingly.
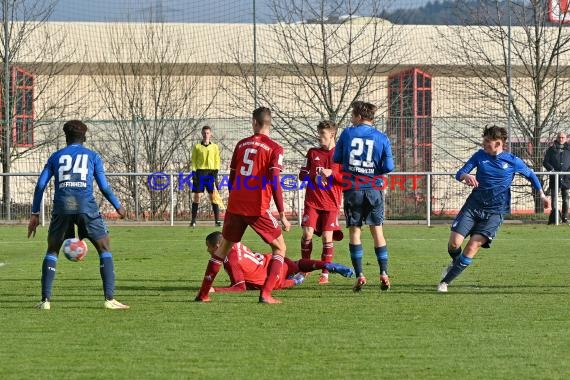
(320, 220)
(266, 226)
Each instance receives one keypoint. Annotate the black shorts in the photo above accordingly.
(204, 179)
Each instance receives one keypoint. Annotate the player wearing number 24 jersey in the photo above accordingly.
(74, 169)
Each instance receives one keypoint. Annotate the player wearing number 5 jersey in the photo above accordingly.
(256, 164)
(74, 169)
(365, 152)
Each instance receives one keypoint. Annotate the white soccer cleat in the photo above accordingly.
(115, 305)
(442, 287)
(44, 305)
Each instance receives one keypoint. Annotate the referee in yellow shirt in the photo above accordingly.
(205, 166)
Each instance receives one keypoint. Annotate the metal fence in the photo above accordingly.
(421, 197)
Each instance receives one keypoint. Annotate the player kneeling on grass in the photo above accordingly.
(483, 211)
(248, 269)
(75, 168)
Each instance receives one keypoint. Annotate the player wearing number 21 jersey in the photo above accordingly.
(365, 152)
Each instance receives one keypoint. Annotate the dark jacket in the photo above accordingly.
(557, 159)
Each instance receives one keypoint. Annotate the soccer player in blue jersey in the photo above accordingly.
(74, 168)
(483, 211)
(366, 154)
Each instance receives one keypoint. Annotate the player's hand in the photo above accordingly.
(122, 212)
(32, 225)
(546, 202)
(285, 224)
(470, 180)
(325, 172)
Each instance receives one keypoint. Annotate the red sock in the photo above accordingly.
(273, 272)
(307, 265)
(214, 265)
(306, 248)
(327, 255)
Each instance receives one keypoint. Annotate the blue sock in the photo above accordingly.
(454, 253)
(107, 269)
(382, 256)
(459, 266)
(356, 254)
(48, 274)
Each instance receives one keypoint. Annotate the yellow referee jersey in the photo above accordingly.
(205, 157)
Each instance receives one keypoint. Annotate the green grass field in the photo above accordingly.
(505, 317)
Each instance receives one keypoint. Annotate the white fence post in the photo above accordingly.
(428, 200)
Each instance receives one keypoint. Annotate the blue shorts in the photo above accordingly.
(364, 205)
(89, 226)
(474, 221)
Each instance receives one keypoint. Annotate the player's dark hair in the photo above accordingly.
(206, 127)
(327, 124)
(262, 115)
(75, 131)
(365, 110)
(214, 238)
(495, 133)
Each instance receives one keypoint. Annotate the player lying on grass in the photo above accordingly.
(248, 269)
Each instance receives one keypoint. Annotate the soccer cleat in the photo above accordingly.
(384, 282)
(115, 305)
(298, 278)
(218, 223)
(360, 282)
(202, 299)
(269, 300)
(442, 287)
(323, 279)
(340, 269)
(44, 305)
(193, 224)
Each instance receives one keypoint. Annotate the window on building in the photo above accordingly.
(409, 119)
(22, 104)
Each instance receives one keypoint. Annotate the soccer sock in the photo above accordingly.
(48, 274)
(216, 209)
(459, 266)
(382, 257)
(327, 255)
(214, 265)
(194, 211)
(453, 253)
(307, 265)
(107, 270)
(306, 248)
(273, 272)
(356, 254)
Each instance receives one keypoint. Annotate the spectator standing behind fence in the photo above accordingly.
(205, 165)
(365, 152)
(557, 159)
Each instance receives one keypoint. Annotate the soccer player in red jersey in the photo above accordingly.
(248, 269)
(322, 196)
(254, 179)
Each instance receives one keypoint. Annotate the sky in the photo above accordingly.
(173, 10)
